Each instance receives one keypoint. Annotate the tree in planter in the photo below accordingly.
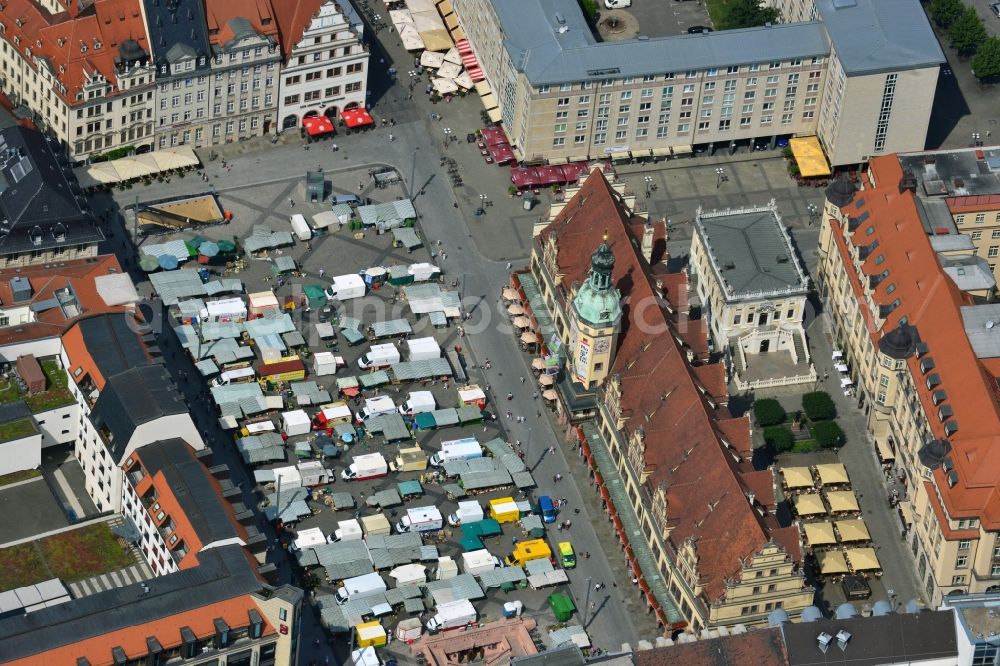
(778, 439)
(986, 63)
(818, 406)
(768, 412)
(945, 12)
(967, 32)
(828, 434)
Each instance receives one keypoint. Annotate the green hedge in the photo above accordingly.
(779, 439)
(819, 406)
(828, 434)
(769, 412)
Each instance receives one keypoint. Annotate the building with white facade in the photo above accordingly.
(862, 78)
(126, 397)
(325, 60)
(216, 70)
(753, 292)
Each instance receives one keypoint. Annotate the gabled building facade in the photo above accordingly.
(325, 67)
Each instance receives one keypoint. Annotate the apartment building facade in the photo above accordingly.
(216, 68)
(657, 418)
(563, 95)
(923, 352)
(86, 77)
(325, 60)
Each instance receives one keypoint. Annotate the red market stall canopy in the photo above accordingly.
(501, 153)
(356, 118)
(493, 136)
(317, 125)
(573, 172)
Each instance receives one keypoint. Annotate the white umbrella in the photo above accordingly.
(449, 70)
(453, 56)
(445, 86)
(464, 80)
(431, 59)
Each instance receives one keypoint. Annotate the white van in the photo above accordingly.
(235, 377)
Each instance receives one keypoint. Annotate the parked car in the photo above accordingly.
(698, 29)
(617, 4)
(995, 7)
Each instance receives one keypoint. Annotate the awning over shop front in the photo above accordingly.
(317, 125)
(660, 152)
(356, 117)
(494, 115)
(809, 156)
(683, 150)
(489, 101)
(884, 452)
(620, 155)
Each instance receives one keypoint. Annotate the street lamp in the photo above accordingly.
(813, 213)
(721, 177)
(448, 134)
(649, 183)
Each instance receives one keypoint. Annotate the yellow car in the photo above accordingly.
(567, 555)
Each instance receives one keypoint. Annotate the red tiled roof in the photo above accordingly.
(760, 647)
(931, 302)
(45, 280)
(258, 12)
(97, 650)
(294, 16)
(662, 395)
(973, 203)
(74, 45)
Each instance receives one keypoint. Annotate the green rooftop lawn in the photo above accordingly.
(69, 556)
(56, 392)
(16, 429)
(15, 477)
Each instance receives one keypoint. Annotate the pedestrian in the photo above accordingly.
(576, 511)
(563, 502)
(510, 396)
(593, 606)
(439, 242)
(291, 202)
(391, 138)
(555, 478)
(509, 414)
(509, 265)
(597, 587)
(534, 396)
(552, 450)
(522, 379)
(444, 255)
(586, 555)
(322, 271)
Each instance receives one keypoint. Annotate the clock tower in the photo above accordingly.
(595, 321)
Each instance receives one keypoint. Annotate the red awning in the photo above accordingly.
(524, 176)
(550, 175)
(573, 172)
(604, 491)
(463, 46)
(350, 391)
(502, 154)
(493, 136)
(469, 60)
(356, 118)
(317, 125)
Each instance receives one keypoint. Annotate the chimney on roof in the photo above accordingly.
(908, 182)
(647, 242)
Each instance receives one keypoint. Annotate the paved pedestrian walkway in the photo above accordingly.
(68, 493)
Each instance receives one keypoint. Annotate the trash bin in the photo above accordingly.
(528, 203)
